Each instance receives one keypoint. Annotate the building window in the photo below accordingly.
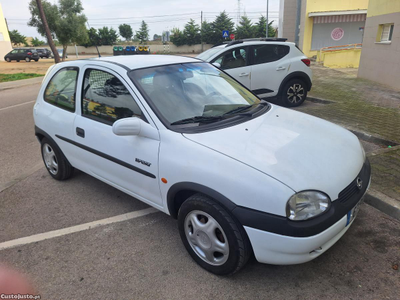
(386, 32)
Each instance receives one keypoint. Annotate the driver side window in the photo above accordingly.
(233, 58)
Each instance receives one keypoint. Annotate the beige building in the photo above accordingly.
(5, 43)
(380, 55)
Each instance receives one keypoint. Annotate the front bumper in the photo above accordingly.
(278, 240)
(271, 248)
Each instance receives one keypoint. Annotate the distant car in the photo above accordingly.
(60, 52)
(267, 67)
(44, 53)
(26, 54)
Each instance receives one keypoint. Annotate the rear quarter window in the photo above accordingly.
(269, 53)
(61, 89)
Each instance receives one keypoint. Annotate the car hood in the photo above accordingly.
(299, 150)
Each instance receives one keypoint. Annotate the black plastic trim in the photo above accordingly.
(106, 156)
(284, 226)
(197, 188)
(262, 91)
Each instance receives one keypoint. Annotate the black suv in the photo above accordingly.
(44, 53)
(27, 54)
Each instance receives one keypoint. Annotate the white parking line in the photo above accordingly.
(16, 105)
(60, 232)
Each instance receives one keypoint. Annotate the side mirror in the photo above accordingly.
(218, 65)
(135, 126)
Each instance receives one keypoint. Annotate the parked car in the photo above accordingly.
(18, 54)
(268, 67)
(44, 53)
(60, 53)
(241, 175)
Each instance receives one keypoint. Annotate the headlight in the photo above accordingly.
(306, 205)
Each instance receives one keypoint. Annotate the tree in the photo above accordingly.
(36, 42)
(125, 30)
(221, 23)
(93, 38)
(245, 29)
(206, 32)
(143, 34)
(191, 33)
(65, 21)
(157, 37)
(107, 36)
(17, 38)
(260, 28)
(177, 37)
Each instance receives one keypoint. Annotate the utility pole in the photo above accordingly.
(47, 30)
(201, 31)
(266, 33)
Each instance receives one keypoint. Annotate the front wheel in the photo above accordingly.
(294, 93)
(55, 162)
(8, 59)
(216, 241)
(27, 59)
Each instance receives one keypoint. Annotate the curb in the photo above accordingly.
(383, 203)
(19, 83)
(319, 100)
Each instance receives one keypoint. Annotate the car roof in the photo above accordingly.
(139, 61)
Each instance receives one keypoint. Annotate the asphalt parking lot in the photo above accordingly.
(143, 257)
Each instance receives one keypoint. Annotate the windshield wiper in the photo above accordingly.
(237, 109)
(197, 119)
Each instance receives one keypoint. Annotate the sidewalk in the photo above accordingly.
(367, 108)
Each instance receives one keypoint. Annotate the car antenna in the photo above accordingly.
(95, 42)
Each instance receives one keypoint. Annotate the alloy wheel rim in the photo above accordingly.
(206, 237)
(50, 159)
(295, 93)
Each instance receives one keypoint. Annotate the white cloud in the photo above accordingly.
(111, 13)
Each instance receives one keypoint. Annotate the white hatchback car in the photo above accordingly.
(242, 176)
(267, 67)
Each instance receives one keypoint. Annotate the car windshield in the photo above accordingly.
(196, 91)
(207, 54)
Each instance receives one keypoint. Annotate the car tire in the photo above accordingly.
(36, 60)
(294, 93)
(213, 238)
(17, 60)
(54, 160)
(8, 59)
(27, 59)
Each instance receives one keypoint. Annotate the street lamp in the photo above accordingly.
(266, 31)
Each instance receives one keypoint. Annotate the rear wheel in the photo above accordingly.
(294, 93)
(17, 60)
(55, 162)
(216, 241)
(27, 59)
(36, 60)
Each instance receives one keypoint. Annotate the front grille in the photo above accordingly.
(352, 190)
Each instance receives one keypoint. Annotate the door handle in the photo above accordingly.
(80, 132)
(244, 74)
(280, 68)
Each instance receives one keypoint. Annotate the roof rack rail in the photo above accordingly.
(256, 39)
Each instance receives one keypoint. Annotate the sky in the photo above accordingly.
(160, 15)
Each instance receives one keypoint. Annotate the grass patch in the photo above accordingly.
(17, 76)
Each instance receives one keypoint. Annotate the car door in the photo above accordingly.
(129, 163)
(269, 68)
(235, 62)
(21, 54)
(13, 55)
